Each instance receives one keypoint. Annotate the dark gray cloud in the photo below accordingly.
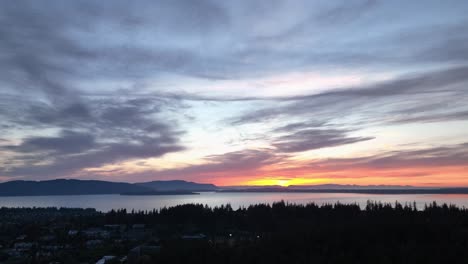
(297, 126)
(242, 160)
(67, 142)
(50, 46)
(344, 13)
(445, 156)
(422, 97)
(310, 139)
(232, 164)
(101, 154)
(50, 49)
(436, 117)
(108, 131)
(434, 157)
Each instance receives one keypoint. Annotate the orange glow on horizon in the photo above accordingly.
(303, 173)
(283, 181)
(455, 176)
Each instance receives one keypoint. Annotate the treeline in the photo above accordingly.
(268, 218)
(292, 233)
(288, 233)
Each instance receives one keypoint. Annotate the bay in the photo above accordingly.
(107, 202)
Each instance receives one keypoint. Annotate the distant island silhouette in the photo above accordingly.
(92, 187)
(180, 187)
(149, 193)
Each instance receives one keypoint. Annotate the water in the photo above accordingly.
(107, 202)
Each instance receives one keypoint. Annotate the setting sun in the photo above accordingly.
(284, 182)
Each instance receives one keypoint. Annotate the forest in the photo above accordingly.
(262, 233)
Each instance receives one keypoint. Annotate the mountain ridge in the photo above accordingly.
(92, 187)
(177, 185)
(66, 187)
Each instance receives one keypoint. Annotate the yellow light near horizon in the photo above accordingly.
(284, 182)
(268, 182)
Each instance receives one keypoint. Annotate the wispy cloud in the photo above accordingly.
(310, 139)
(108, 131)
(448, 86)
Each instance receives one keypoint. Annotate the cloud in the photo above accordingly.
(310, 139)
(436, 117)
(423, 162)
(227, 166)
(108, 131)
(67, 142)
(373, 103)
(51, 46)
(87, 83)
(343, 13)
(102, 154)
(251, 164)
(232, 162)
(456, 155)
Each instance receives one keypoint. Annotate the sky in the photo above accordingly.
(235, 92)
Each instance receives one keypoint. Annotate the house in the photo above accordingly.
(52, 248)
(23, 246)
(194, 237)
(73, 232)
(43, 253)
(47, 238)
(139, 251)
(96, 233)
(113, 227)
(93, 243)
(22, 237)
(137, 232)
(104, 259)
